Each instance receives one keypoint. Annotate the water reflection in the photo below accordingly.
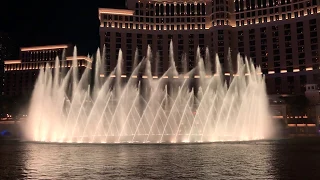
(208, 161)
(297, 160)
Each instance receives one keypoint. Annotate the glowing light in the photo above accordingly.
(39, 48)
(7, 62)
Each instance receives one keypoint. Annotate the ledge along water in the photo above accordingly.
(67, 108)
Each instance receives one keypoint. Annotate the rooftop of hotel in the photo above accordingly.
(47, 47)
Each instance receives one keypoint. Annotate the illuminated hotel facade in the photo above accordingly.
(21, 74)
(281, 36)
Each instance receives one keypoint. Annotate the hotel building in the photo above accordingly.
(21, 74)
(281, 36)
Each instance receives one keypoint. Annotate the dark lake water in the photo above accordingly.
(286, 159)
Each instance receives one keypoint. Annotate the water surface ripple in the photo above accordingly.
(206, 161)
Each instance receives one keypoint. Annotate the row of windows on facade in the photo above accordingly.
(170, 9)
(244, 5)
(220, 8)
(156, 27)
(299, 24)
(291, 80)
(276, 52)
(273, 11)
(37, 65)
(200, 42)
(220, 15)
(159, 36)
(287, 30)
(159, 42)
(129, 48)
(119, 19)
(150, 42)
(276, 48)
(217, 2)
(288, 51)
(238, 15)
(275, 38)
(40, 55)
(276, 17)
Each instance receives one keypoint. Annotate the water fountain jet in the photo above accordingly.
(167, 109)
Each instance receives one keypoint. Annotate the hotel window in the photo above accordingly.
(302, 13)
(314, 10)
(178, 9)
(203, 9)
(188, 9)
(312, 21)
(309, 11)
(314, 40)
(313, 34)
(172, 10)
(161, 10)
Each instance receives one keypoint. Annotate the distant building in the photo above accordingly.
(21, 74)
(281, 36)
(6, 52)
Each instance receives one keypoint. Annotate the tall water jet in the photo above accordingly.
(208, 62)
(171, 58)
(97, 74)
(184, 63)
(136, 59)
(156, 64)
(196, 106)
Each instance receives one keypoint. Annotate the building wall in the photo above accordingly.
(43, 53)
(279, 36)
(21, 75)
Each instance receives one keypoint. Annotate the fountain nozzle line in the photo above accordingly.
(178, 77)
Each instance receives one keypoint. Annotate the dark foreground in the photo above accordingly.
(283, 159)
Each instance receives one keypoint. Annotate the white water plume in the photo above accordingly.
(146, 109)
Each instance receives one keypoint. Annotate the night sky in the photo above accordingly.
(32, 23)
